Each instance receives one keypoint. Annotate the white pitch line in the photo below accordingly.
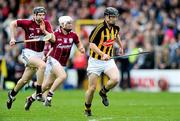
(92, 120)
(101, 119)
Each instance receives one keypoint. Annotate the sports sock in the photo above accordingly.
(50, 94)
(33, 95)
(88, 106)
(13, 93)
(38, 89)
(104, 90)
(31, 98)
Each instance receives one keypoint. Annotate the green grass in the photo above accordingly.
(69, 106)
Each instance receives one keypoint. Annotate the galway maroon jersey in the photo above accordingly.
(62, 46)
(32, 30)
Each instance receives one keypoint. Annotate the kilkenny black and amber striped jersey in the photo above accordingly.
(104, 38)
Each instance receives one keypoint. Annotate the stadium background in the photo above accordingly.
(153, 25)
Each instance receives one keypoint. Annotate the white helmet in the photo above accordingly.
(63, 20)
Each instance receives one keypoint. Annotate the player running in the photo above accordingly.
(57, 59)
(33, 52)
(101, 48)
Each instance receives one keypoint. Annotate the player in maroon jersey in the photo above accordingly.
(58, 57)
(33, 52)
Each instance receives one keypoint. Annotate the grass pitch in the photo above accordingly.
(69, 106)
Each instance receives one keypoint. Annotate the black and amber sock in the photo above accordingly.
(88, 106)
(13, 93)
(104, 90)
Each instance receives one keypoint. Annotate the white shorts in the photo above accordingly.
(98, 66)
(49, 65)
(28, 53)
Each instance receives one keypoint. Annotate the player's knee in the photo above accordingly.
(64, 76)
(92, 88)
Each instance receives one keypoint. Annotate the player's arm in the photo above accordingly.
(13, 26)
(94, 48)
(47, 29)
(119, 42)
(43, 28)
(53, 38)
(46, 32)
(78, 43)
(81, 47)
(94, 39)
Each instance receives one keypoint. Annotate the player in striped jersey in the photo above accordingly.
(101, 49)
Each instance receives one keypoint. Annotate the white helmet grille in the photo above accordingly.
(63, 20)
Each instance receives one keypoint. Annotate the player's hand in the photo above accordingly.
(12, 42)
(44, 58)
(121, 51)
(82, 50)
(105, 57)
(42, 26)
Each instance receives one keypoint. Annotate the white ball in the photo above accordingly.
(140, 49)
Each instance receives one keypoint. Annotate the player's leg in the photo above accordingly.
(94, 70)
(32, 84)
(61, 75)
(41, 65)
(45, 86)
(27, 75)
(113, 74)
(48, 82)
(113, 78)
(93, 79)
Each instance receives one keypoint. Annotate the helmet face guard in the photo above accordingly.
(37, 10)
(112, 14)
(63, 20)
(110, 11)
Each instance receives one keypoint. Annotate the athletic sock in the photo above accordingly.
(104, 90)
(13, 93)
(50, 95)
(88, 106)
(38, 89)
(33, 95)
(32, 99)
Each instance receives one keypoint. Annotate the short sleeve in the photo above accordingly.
(22, 23)
(95, 35)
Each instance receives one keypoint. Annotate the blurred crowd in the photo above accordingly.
(152, 25)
